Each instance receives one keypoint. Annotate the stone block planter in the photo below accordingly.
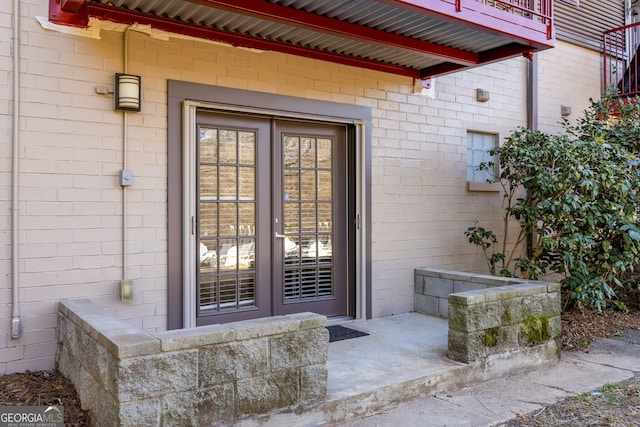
(212, 375)
(492, 316)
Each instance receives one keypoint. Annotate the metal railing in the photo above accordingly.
(538, 10)
(621, 58)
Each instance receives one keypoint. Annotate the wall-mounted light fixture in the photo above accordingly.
(565, 110)
(127, 92)
(424, 87)
(126, 290)
(420, 86)
(482, 95)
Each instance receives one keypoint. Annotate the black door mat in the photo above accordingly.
(339, 333)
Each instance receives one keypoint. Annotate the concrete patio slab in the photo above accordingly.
(398, 349)
(404, 359)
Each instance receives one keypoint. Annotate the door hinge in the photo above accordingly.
(193, 225)
(357, 222)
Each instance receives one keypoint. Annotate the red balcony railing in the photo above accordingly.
(538, 10)
(621, 55)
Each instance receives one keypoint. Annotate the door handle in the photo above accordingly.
(280, 236)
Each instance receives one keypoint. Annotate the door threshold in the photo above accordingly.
(339, 320)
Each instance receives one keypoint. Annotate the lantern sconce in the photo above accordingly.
(127, 92)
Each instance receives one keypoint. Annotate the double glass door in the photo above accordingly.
(271, 218)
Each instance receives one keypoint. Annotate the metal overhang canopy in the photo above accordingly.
(416, 38)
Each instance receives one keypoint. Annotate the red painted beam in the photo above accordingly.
(299, 18)
(498, 54)
(440, 69)
(486, 18)
(71, 6)
(126, 16)
(503, 52)
(76, 18)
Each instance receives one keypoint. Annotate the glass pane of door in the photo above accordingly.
(308, 217)
(226, 224)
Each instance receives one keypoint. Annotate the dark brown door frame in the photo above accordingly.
(241, 100)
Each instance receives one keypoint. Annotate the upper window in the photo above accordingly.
(478, 146)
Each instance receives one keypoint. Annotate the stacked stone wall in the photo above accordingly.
(433, 287)
(488, 315)
(500, 320)
(212, 375)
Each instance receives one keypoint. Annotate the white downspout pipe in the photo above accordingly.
(532, 111)
(16, 322)
(126, 286)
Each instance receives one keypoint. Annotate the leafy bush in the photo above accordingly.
(579, 205)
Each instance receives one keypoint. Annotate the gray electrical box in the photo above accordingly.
(126, 177)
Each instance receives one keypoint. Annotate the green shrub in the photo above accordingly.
(577, 194)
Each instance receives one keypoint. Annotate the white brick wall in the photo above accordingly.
(428, 180)
(71, 153)
(569, 75)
